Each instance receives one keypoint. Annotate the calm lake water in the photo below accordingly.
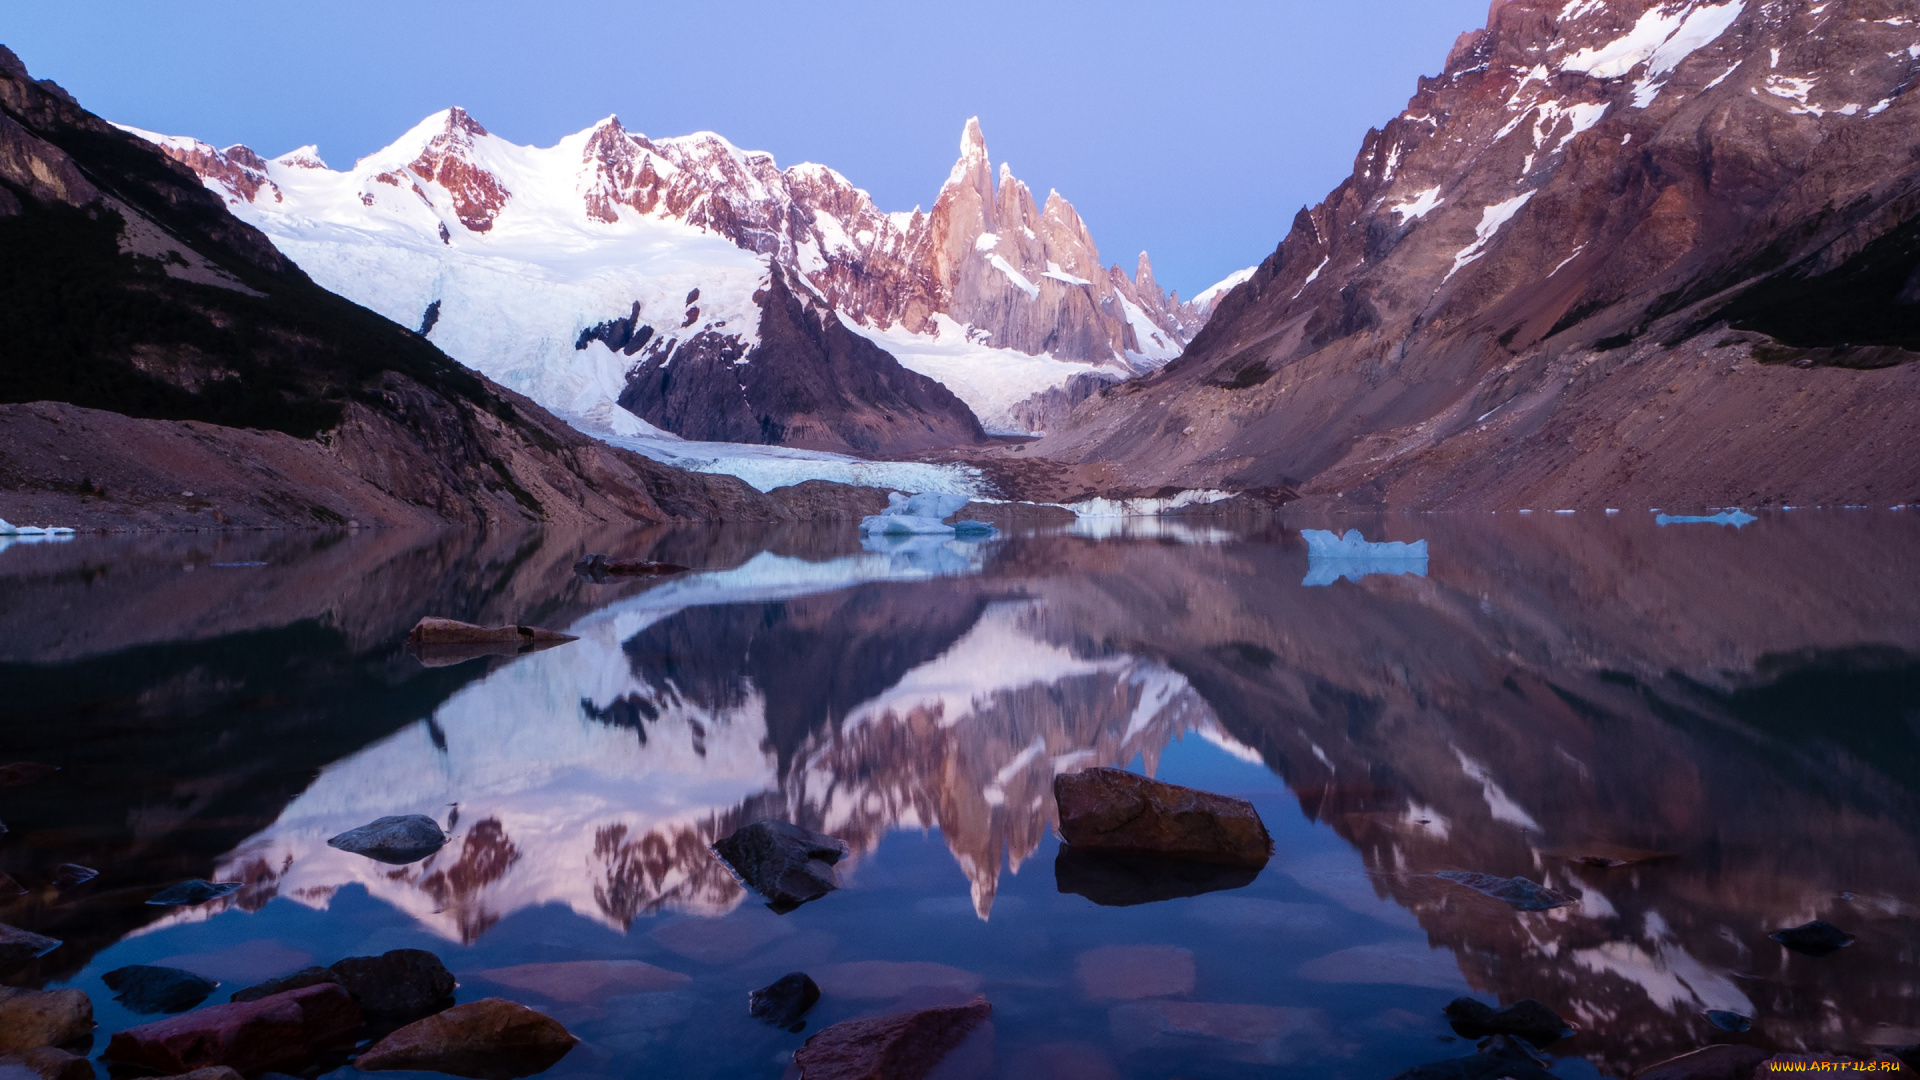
(1746, 699)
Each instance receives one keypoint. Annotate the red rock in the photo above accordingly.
(1128, 972)
(248, 1036)
(905, 1046)
(491, 1039)
(1114, 810)
(1725, 1061)
(584, 981)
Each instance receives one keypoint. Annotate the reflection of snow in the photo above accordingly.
(11, 534)
(1671, 977)
(1499, 804)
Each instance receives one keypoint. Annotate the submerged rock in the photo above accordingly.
(147, 990)
(600, 568)
(905, 1046)
(492, 1039)
(1256, 1034)
(785, 863)
(1726, 1061)
(45, 1063)
(1729, 1021)
(784, 1003)
(1516, 892)
(1124, 879)
(1526, 1019)
(35, 1018)
(1114, 810)
(18, 946)
(248, 1036)
(25, 772)
(1499, 1058)
(189, 893)
(1817, 938)
(70, 875)
(299, 980)
(396, 841)
(404, 984)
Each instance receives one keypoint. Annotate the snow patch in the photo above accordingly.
(991, 381)
(1661, 39)
(1213, 293)
(1492, 220)
(1419, 206)
(1020, 280)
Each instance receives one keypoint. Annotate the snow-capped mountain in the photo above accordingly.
(612, 277)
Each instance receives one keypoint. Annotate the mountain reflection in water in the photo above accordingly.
(1745, 700)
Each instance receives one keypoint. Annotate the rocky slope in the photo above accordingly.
(576, 273)
(166, 366)
(1627, 252)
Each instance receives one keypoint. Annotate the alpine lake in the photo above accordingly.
(1691, 734)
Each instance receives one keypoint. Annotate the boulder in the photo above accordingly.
(785, 863)
(45, 1063)
(1526, 1019)
(1125, 879)
(18, 946)
(785, 1003)
(147, 990)
(600, 568)
(396, 841)
(1114, 810)
(405, 984)
(905, 1046)
(284, 1029)
(35, 1018)
(1725, 1061)
(1516, 892)
(25, 772)
(69, 875)
(189, 893)
(1816, 938)
(492, 1039)
(1500, 1058)
(299, 980)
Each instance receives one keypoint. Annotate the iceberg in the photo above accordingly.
(9, 529)
(925, 514)
(1735, 518)
(1331, 557)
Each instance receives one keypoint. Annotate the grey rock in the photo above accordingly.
(785, 863)
(18, 946)
(148, 990)
(301, 979)
(45, 1063)
(1816, 938)
(405, 984)
(396, 841)
(1516, 892)
(786, 1002)
(69, 875)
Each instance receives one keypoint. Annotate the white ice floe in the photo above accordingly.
(9, 529)
(1735, 518)
(922, 515)
(1331, 556)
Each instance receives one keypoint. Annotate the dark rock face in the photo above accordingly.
(810, 382)
(906, 1046)
(25, 772)
(32, 1018)
(396, 841)
(785, 863)
(1551, 282)
(1817, 938)
(1125, 879)
(402, 984)
(1723, 1062)
(1115, 810)
(1526, 1019)
(785, 1003)
(299, 980)
(248, 1036)
(190, 893)
(1499, 1058)
(1516, 892)
(18, 946)
(490, 1039)
(149, 990)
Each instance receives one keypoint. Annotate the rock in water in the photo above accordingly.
(69, 875)
(396, 841)
(1515, 892)
(1500, 1058)
(1526, 1019)
(299, 980)
(1729, 1021)
(10, 888)
(25, 772)
(148, 990)
(189, 893)
(248, 1036)
(405, 984)
(1726, 1061)
(45, 1063)
(785, 863)
(905, 1046)
(1115, 810)
(785, 1002)
(18, 946)
(1816, 938)
(493, 1039)
(599, 568)
(432, 631)
(34, 1018)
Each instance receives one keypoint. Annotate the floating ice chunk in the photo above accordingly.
(1331, 557)
(1735, 518)
(923, 515)
(9, 529)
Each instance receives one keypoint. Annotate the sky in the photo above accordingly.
(1194, 130)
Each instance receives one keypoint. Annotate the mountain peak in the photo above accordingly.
(303, 157)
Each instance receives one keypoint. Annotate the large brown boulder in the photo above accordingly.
(493, 1039)
(904, 1046)
(35, 1018)
(247, 1036)
(1115, 810)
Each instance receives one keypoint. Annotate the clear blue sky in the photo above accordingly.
(1193, 129)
